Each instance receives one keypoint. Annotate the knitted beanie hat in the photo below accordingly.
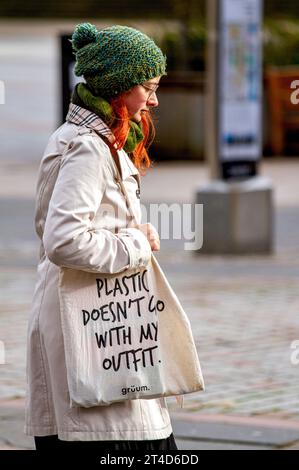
(116, 58)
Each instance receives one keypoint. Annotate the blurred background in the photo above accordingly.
(30, 38)
(243, 309)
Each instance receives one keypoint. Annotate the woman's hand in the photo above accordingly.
(151, 234)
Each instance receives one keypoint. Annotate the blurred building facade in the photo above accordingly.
(184, 43)
(99, 9)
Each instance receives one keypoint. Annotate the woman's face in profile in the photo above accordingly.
(141, 97)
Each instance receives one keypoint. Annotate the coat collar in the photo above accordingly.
(83, 117)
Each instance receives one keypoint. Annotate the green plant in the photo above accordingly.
(280, 42)
(196, 44)
(185, 48)
(172, 47)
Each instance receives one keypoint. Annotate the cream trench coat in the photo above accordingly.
(81, 219)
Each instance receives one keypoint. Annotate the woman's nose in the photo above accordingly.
(153, 101)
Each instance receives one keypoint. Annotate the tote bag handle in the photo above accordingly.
(115, 158)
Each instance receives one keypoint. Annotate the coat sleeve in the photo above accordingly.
(69, 238)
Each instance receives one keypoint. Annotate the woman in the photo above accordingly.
(82, 221)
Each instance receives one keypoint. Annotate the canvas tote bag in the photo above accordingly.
(126, 335)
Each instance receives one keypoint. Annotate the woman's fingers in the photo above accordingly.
(151, 234)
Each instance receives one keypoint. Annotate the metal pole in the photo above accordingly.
(211, 91)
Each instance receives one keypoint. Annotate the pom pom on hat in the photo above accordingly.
(84, 34)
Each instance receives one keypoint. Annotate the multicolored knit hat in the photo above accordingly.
(116, 58)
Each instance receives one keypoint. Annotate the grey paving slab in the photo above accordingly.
(294, 446)
(238, 434)
(214, 445)
(189, 435)
(14, 436)
(12, 418)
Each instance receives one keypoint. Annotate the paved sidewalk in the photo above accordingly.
(192, 432)
(243, 311)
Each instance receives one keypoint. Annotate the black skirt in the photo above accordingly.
(50, 443)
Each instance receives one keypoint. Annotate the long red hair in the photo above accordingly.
(120, 127)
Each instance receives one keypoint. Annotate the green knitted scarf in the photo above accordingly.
(83, 97)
